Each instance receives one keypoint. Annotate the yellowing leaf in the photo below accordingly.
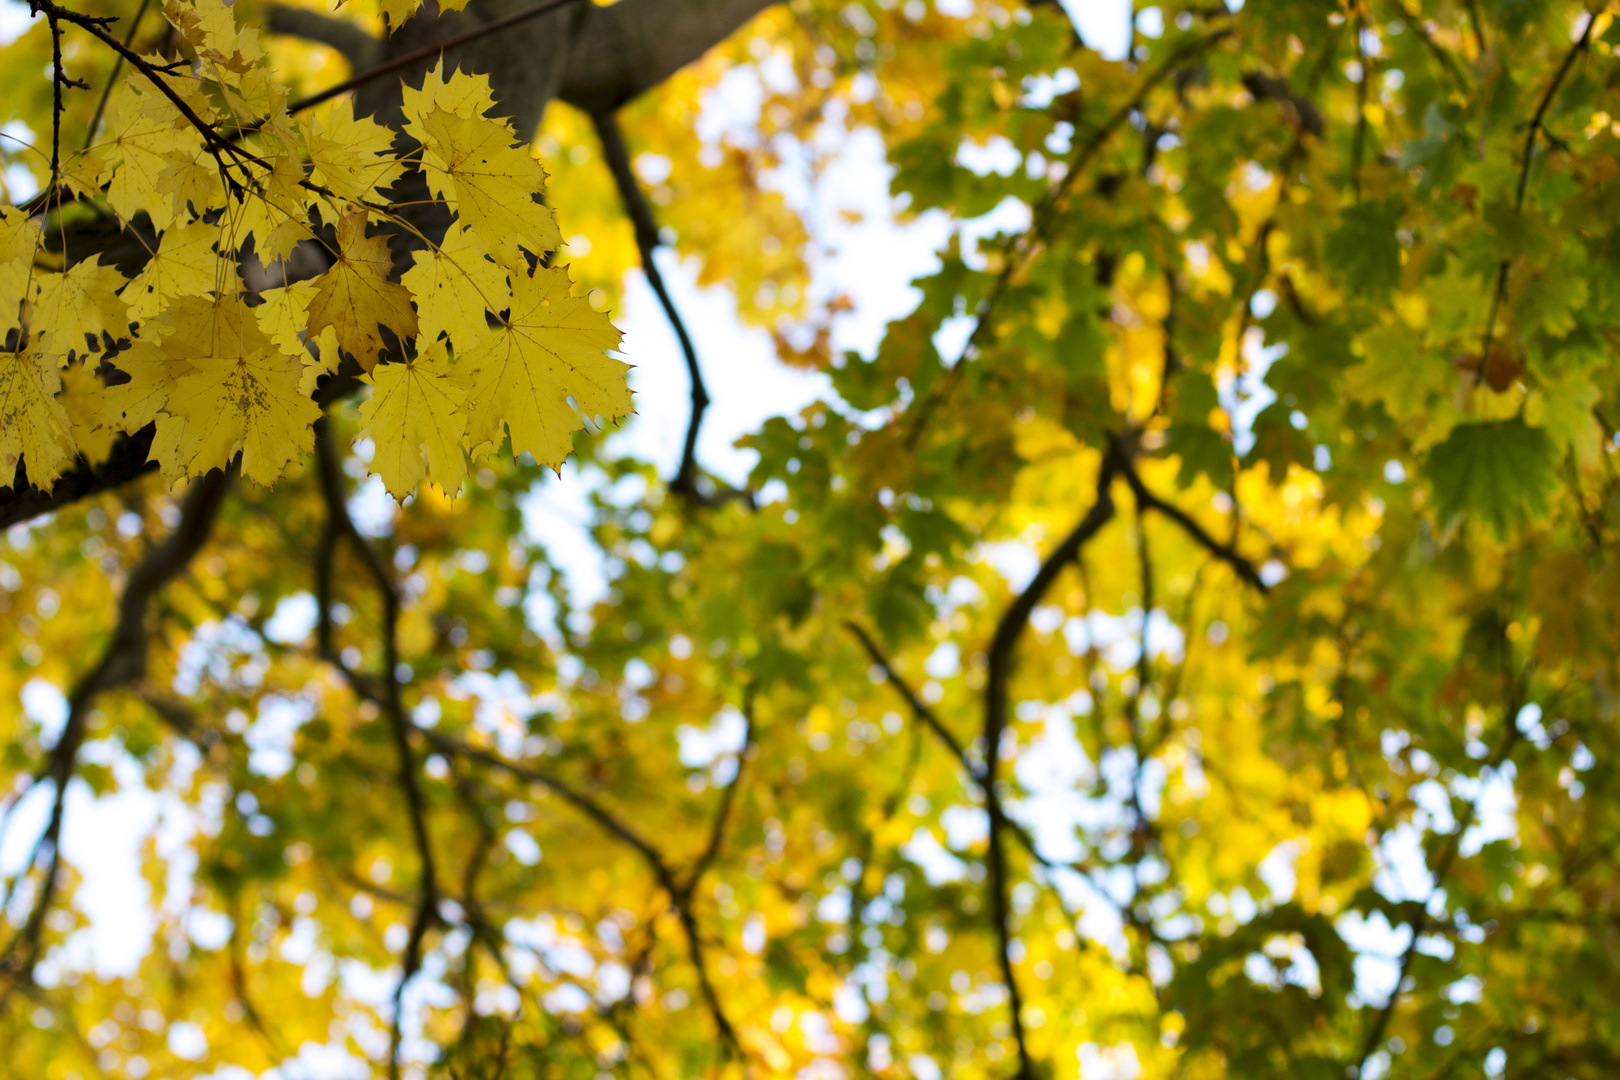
(453, 286)
(185, 264)
(472, 164)
(1564, 409)
(33, 424)
(398, 11)
(237, 393)
(283, 317)
(210, 28)
(276, 216)
(81, 303)
(416, 422)
(355, 296)
(461, 93)
(19, 239)
(352, 157)
(554, 347)
(191, 179)
(1397, 372)
(83, 396)
(142, 131)
(132, 405)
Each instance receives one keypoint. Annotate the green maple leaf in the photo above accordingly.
(1497, 472)
(1363, 250)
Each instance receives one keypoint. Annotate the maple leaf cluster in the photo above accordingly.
(479, 341)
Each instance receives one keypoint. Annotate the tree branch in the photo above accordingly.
(385, 694)
(931, 720)
(680, 897)
(1537, 128)
(645, 225)
(427, 52)
(123, 661)
(623, 49)
(996, 689)
(1226, 553)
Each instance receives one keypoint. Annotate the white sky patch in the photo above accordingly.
(1277, 870)
(15, 20)
(44, 703)
(1378, 948)
(1496, 816)
(701, 747)
(293, 620)
(1116, 1062)
(926, 852)
(1403, 872)
(997, 154)
(270, 739)
(1009, 217)
(103, 838)
(965, 827)
(746, 382)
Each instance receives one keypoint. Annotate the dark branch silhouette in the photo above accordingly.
(122, 662)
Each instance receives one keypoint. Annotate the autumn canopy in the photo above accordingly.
(1179, 638)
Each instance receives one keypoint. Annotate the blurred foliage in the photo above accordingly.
(1324, 295)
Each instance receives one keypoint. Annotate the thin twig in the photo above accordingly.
(112, 79)
(667, 879)
(427, 52)
(1537, 127)
(1226, 553)
(1018, 250)
(1438, 871)
(717, 831)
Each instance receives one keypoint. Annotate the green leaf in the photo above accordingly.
(1498, 472)
(1363, 250)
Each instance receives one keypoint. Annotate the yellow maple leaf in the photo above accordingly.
(472, 165)
(355, 296)
(238, 392)
(191, 179)
(33, 425)
(398, 11)
(283, 317)
(185, 263)
(210, 28)
(162, 353)
(79, 304)
(552, 348)
(19, 239)
(276, 215)
(352, 157)
(143, 130)
(457, 92)
(83, 396)
(454, 285)
(416, 422)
